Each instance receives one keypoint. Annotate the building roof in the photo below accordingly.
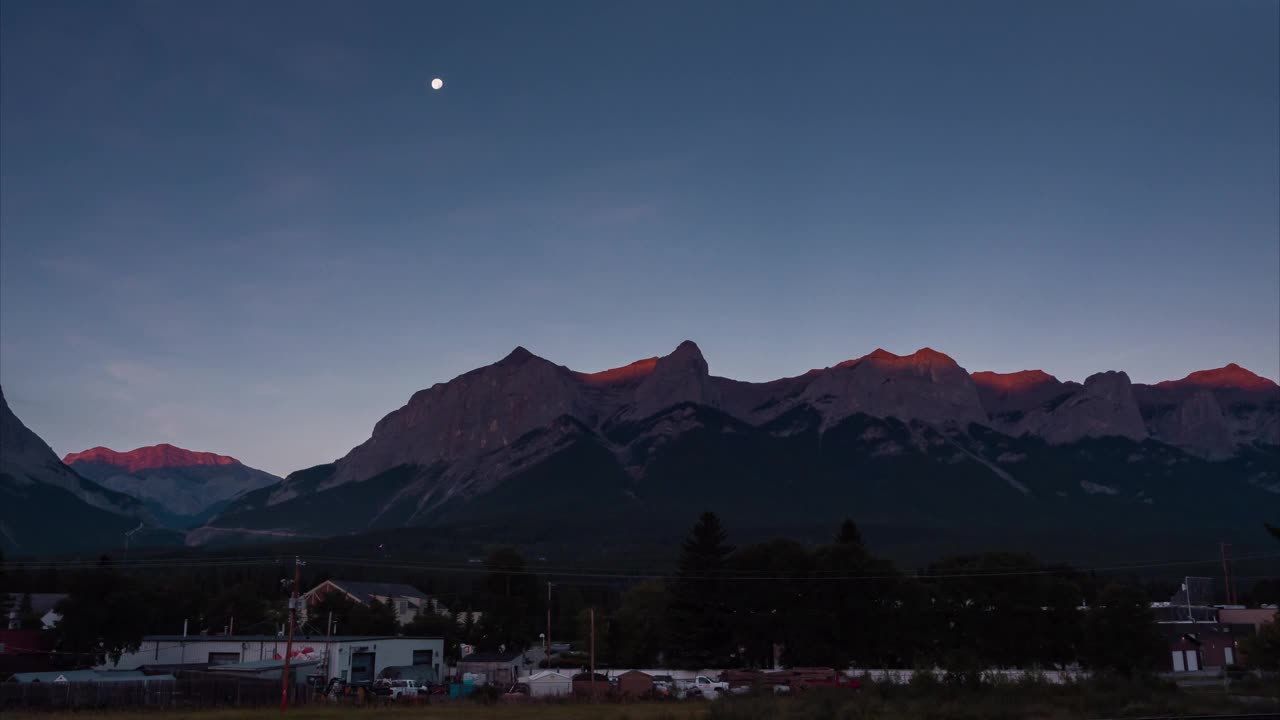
(41, 603)
(492, 657)
(548, 675)
(272, 638)
(367, 592)
(88, 676)
(261, 665)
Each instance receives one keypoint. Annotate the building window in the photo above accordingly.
(224, 658)
(423, 657)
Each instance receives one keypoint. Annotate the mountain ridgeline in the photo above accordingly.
(182, 488)
(46, 506)
(910, 442)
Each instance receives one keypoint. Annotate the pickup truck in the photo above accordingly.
(701, 685)
(403, 688)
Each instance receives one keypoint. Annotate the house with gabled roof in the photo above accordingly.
(408, 601)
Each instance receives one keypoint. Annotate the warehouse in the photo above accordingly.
(353, 658)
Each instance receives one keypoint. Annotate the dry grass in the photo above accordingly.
(443, 711)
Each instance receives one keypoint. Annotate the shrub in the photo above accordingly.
(486, 694)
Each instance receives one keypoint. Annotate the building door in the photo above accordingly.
(1229, 656)
(1178, 665)
(1193, 661)
(361, 668)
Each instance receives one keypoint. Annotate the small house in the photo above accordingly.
(635, 684)
(549, 683)
(407, 600)
(586, 684)
(493, 668)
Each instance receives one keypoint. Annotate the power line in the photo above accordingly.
(734, 575)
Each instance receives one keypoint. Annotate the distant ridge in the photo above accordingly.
(151, 457)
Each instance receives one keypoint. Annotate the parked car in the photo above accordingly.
(663, 685)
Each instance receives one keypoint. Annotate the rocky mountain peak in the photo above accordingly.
(1108, 381)
(682, 376)
(153, 457)
(1229, 377)
(879, 354)
(517, 356)
(620, 375)
(1013, 382)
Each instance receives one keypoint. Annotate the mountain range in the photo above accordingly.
(907, 441)
(914, 445)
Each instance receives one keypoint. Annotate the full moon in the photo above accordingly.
(437, 84)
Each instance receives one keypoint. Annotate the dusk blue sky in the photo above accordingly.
(252, 228)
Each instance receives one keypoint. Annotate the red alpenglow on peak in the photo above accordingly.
(1014, 381)
(923, 356)
(626, 373)
(149, 458)
(1230, 377)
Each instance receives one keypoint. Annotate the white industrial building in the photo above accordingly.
(353, 658)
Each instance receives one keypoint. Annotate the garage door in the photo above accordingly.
(361, 668)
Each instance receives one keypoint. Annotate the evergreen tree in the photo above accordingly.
(1263, 649)
(699, 629)
(239, 608)
(28, 619)
(6, 601)
(101, 617)
(1121, 636)
(376, 618)
(850, 534)
(641, 633)
(510, 603)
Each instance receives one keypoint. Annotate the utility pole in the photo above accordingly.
(593, 654)
(288, 648)
(328, 634)
(547, 647)
(1186, 585)
(1227, 574)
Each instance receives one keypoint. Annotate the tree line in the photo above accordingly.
(779, 601)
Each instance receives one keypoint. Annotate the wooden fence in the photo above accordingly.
(190, 690)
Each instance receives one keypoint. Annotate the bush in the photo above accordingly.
(486, 694)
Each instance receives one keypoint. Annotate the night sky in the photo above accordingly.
(253, 228)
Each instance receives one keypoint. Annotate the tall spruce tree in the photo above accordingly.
(5, 600)
(850, 534)
(699, 616)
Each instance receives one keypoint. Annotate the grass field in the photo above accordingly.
(451, 711)
(875, 702)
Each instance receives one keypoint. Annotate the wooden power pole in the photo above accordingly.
(288, 647)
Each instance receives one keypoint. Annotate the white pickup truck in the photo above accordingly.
(404, 688)
(701, 685)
